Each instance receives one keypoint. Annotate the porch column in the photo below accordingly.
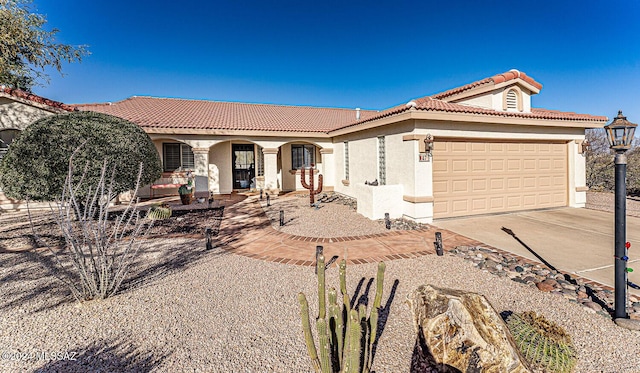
(201, 163)
(328, 169)
(271, 170)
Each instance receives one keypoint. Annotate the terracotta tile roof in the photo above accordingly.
(430, 104)
(35, 98)
(166, 113)
(151, 112)
(496, 79)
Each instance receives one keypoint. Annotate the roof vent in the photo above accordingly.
(357, 113)
(411, 104)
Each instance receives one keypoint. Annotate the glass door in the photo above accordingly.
(243, 159)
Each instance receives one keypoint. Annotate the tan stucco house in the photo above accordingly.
(487, 149)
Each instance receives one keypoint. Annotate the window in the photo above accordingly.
(260, 168)
(382, 162)
(177, 156)
(346, 160)
(302, 156)
(512, 100)
(6, 138)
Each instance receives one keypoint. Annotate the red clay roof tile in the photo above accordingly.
(151, 112)
(496, 79)
(35, 98)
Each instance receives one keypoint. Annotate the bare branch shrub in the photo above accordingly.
(600, 167)
(100, 245)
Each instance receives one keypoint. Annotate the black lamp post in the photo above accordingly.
(620, 135)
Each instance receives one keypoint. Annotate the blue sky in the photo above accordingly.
(368, 54)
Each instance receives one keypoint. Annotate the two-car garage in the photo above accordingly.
(481, 177)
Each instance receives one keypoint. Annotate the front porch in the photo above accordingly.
(223, 166)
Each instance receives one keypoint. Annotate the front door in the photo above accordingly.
(243, 165)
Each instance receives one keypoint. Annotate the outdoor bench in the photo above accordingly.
(163, 186)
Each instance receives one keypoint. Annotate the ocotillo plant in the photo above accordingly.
(310, 186)
(345, 335)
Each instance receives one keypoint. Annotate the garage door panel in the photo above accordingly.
(460, 166)
(479, 185)
(487, 177)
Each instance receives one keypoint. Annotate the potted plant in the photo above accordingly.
(186, 190)
(186, 194)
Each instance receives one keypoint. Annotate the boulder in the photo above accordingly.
(461, 331)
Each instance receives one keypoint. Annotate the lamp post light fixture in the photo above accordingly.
(620, 135)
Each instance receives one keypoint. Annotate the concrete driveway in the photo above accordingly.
(578, 241)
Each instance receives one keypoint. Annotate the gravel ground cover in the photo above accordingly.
(217, 312)
(187, 309)
(604, 201)
(337, 218)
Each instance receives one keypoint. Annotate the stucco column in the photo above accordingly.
(201, 165)
(577, 174)
(328, 169)
(271, 184)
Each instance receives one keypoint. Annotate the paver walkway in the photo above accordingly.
(247, 231)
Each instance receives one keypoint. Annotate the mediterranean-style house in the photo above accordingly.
(476, 149)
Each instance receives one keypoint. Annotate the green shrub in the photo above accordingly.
(37, 162)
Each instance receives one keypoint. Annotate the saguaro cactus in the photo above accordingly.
(310, 186)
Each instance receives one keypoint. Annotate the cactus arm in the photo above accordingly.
(339, 332)
(373, 325)
(303, 178)
(354, 342)
(345, 367)
(323, 340)
(308, 337)
(322, 309)
(319, 189)
(362, 316)
(343, 276)
(379, 284)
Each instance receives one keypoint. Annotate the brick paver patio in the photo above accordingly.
(247, 231)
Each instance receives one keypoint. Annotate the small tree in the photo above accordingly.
(600, 167)
(37, 162)
(26, 48)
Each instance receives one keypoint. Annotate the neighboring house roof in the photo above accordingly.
(31, 98)
(169, 113)
(153, 112)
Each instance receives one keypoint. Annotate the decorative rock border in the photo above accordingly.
(590, 294)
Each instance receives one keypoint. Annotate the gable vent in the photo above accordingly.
(512, 100)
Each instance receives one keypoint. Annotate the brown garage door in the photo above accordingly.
(471, 178)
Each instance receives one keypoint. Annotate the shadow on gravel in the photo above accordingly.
(27, 278)
(112, 356)
(383, 312)
(167, 258)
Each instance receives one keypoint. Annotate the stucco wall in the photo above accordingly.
(291, 179)
(17, 115)
(220, 163)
